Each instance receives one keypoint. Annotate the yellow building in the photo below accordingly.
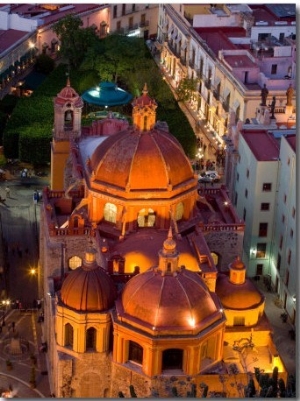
(140, 275)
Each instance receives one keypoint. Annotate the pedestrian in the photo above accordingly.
(35, 197)
(7, 190)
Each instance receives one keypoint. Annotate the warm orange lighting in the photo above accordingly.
(32, 271)
(192, 322)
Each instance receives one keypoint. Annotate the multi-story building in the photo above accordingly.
(264, 196)
(283, 264)
(231, 53)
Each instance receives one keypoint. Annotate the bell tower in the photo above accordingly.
(144, 111)
(67, 125)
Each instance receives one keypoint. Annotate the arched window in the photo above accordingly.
(69, 118)
(215, 258)
(74, 262)
(146, 218)
(110, 212)
(135, 353)
(90, 341)
(172, 359)
(68, 335)
(179, 211)
(145, 122)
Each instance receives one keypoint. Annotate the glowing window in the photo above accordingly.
(146, 218)
(110, 212)
(179, 211)
(75, 262)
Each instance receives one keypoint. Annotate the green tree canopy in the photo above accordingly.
(74, 39)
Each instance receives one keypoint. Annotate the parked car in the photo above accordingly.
(209, 176)
(205, 179)
(213, 175)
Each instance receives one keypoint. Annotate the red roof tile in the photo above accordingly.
(262, 144)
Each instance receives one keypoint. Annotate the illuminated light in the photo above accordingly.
(226, 203)
(221, 310)
(32, 271)
(192, 322)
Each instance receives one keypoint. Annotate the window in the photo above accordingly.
(172, 359)
(263, 230)
(123, 9)
(247, 174)
(74, 262)
(235, 198)
(281, 241)
(90, 340)
(133, 8)
(244, 214)
(292, 233)
(246, 193)
(278, 262)
(68, 335)
(289, 256)
(284, 198)
(239, 321)
(261, 250)
(146, 218)
(274, 69)
(259, 269)
(287, 277)
(263, 36)
(265, 206)
(237, 176)
(283, 218)
(294, 213)
(267, 187)
(288, 161)
(110, 212)
(115, 11)
(143, 19)
(118, 26)
(179, 211)
(135, 353)
(130, 22)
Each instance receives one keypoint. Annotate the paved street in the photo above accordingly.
(19, 228)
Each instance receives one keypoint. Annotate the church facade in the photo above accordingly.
(139, 270)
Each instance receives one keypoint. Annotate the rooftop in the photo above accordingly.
(239, 61)
(9, 37)
(262, 144)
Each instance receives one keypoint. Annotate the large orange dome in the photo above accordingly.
(134, 160)
(88, 288)
(162, 301)
(238, 296)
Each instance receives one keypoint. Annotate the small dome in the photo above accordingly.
(238, 296)
(237, 264)
(144, 99)
(68, 94)
(88, 288)
(179, 301)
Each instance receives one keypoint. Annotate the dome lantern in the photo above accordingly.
(168, 256)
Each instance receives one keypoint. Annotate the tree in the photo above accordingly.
(74, 39)
(185, 89)
(44, 64)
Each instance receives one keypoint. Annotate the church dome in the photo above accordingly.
(238, 296)
(88, 288)
(178, 301)
(68, 94)
(134, 160)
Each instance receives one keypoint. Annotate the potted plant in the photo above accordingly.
(9, 364)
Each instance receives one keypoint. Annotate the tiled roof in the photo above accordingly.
(9, 37)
